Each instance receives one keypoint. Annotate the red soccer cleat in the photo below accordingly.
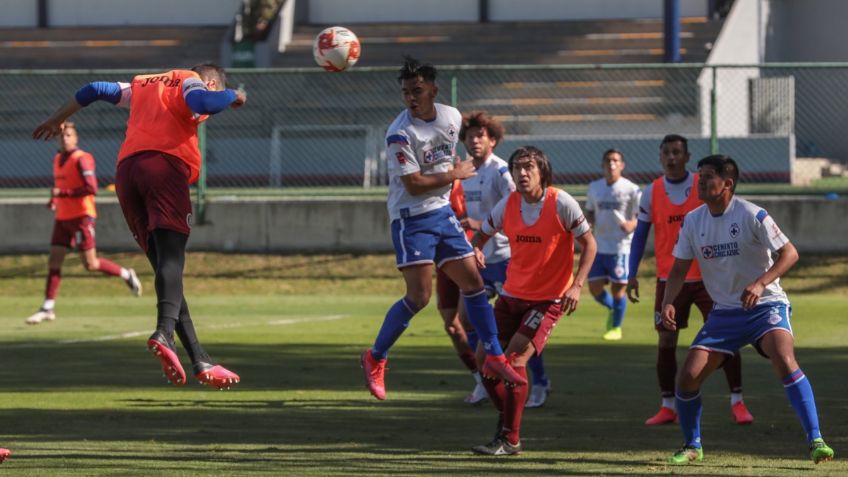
(4, 454)
(375, 372)
(741, 414)
(498, 367)
(164, 350)
(666, 415)
(215, 375)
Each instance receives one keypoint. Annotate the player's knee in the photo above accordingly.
(419, 299)
(91, 265)
(687, 380)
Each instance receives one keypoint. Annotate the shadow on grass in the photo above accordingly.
(310, 399)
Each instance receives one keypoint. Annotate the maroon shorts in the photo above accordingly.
(533, 319)
(72, 233)
(153, 192)
(692, 293)
(447, 292)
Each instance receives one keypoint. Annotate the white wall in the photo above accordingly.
(18, 13)
(344, 12)
(515, 10)
(140, 12)
(741, 42)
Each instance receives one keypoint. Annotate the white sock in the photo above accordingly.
(48, 305)
(735, 397)
(668, 402)
(477, 378)
(125, 274)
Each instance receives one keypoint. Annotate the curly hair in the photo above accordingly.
(479, 119)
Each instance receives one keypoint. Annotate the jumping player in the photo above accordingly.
(72, 200)
(733, 240)
(664, 203)
(542, 223)
(421, 150)
(612, 203)
(157, 161)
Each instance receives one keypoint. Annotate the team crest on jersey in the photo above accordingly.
(451, 131)
(734, 230)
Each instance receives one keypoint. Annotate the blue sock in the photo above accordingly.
(537, 368)
(396, 321)
(800, 394)
(618, 307)
(482, 317)
(604, 299)
(473, 339)
(689, 409)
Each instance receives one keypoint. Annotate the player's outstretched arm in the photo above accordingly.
(787, 257)
(417, 183)
(94, 91)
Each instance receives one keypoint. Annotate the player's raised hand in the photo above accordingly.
(633, 290)
(751, 295)
(668, 317)
(463, 169)
(571, 299)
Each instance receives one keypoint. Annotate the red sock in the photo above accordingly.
(109, 267)
(666, 370)
(468, 359)
(54, 278)
(497, 392)
(733, 372)
(516, 396)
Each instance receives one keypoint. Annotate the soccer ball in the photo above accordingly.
(336, 49)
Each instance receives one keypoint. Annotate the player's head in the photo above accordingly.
(213, 75)
(613, 164)
(69, 139)
(674, 154)
(481, 134)
(418, 86)
(530, 169)
(717, 175)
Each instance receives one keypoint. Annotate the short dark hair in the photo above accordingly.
(537, 155)
(479, 119)
(212, 71)
(670, 138)
(612, 150)
(413, 68)
(725, 167)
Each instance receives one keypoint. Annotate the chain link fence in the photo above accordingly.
(307, 128)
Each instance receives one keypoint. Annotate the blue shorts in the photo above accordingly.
(612, 267)
(432, 237)
(726, 331)
(494, 276)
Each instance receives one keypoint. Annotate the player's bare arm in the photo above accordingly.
(589, 249)
(418, 183)
(629, 226)
(477, 242)
(787, 257)
(676, 277)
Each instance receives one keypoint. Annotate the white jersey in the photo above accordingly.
(568, 211)
(677, 193)
(733, 250)
(482, 192)
(612, 206)
(414, 145)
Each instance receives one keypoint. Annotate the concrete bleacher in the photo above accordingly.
(115, 47)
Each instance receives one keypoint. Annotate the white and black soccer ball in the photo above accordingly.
(336, 49)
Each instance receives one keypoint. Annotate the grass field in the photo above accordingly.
(81, 396)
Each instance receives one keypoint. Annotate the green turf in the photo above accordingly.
(76, 398)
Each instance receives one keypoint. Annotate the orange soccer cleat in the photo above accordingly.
(499, 367)
(666, 415)
(375, 372)
(741, 414)
(4, 454)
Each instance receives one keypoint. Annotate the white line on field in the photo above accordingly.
(133, 334)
